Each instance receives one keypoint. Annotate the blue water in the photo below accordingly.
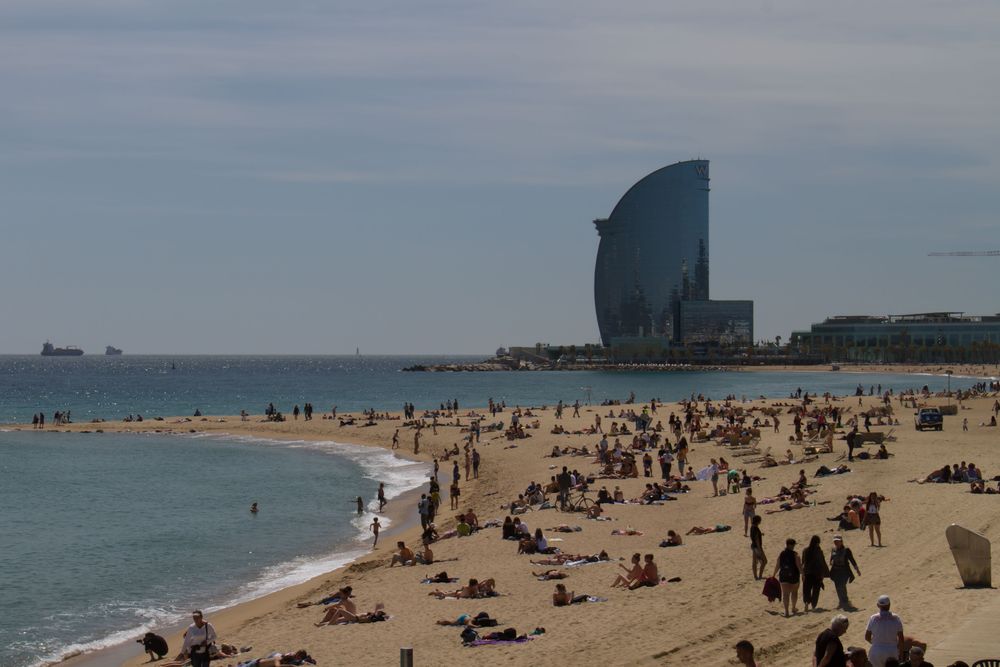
(105, 536)
(113, 387)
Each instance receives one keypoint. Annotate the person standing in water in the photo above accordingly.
(375, 528)
(253, 508)
(361, 506)
(381, 496)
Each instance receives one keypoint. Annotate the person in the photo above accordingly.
(873, 519)
(361, 505)
(814, 571)
(917, 659)
(829, 650)
(563, 598)
(395, 439)
(632, 574)
(650, 575)
(744, 653)
(564, 482)
(788, 570)
(757, 549)
(154, 645)
(850, 443)
(381, 496)
(404, 557)
(885, 633)
(857, 657)
(344, 603)
(841, 560)
(253, 508)
(277, 659)
(198, 639)
(673, 539)
(375, 528)
(702, 530)
(749, 509)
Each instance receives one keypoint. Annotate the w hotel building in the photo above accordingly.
(651, 282)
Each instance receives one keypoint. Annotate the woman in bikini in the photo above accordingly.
(873, 518)
(632, 574)
(749, 510)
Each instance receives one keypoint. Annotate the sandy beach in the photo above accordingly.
(694, 621)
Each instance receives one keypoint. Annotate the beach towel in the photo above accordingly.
(704, 474)
(493, 642)
(772, 589)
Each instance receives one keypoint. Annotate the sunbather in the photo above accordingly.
(562, 598)
(550, 574)
(474, 589)
(341, 594)
(632, 573)
(300, 657)
(343, 616)
(719, 528)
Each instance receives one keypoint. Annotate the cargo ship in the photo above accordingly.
(112, 351)
(49, 350)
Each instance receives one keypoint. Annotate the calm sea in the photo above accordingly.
(106, 535)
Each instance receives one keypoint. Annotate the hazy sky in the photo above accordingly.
(307, 177)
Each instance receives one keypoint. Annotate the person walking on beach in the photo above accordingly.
(381, 496)
(475, 464)
(873, 519)
(468, 464)
(757, 549)
(198, 640)
(564, 481)
(576, 408)
(788, 569)
(424, 509)
(749, 509)
(851, 436)
(455, 474)
(841, 560)
(375, 528)
(885, 633)
(395, 439)
(814, 571)
(416, 441)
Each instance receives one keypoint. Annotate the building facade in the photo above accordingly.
(653, 253)
(651, 278)
(918, 337)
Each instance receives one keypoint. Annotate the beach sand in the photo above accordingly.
(693, 622)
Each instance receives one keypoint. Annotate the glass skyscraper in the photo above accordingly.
(653, 253)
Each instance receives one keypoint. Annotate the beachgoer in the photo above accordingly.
(744, 653)
(814, 571)
(885, 633)
(404, 557)
(841, 560)
(829, 650)
(917, 659)
(632, 573)
(757, 549)
(650, 575)
(563, 598)
(375, 528)
(700, 530)
(873, 518)
(198, 639)
(788, 570)
(154, 645)
(381, 496)
(361, 505)
(749, 509)
(254, 509)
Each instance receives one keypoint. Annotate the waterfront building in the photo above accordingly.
(918, 337)
(651, 279)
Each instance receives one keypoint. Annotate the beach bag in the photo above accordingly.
(469, 635)
(772, 589)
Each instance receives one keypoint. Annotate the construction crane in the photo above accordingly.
(966, 253)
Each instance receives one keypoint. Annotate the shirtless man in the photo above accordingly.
(404, 557)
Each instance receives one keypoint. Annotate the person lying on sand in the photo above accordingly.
(342, 616)
(474, 589)
(549, 574)
(300, 657)
(561, 559)
(336, 598)
(480, 620)
(698, 530)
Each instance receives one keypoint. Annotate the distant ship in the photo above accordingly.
(49, 350)
(112, 351)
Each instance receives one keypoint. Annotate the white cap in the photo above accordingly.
(883, 601)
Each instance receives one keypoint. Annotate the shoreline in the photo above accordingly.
(400, 522)
(273, 622)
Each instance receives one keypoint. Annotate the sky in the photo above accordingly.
(248, 177)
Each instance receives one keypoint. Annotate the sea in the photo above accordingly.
(103, 536)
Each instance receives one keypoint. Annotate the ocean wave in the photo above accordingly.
(399, 475)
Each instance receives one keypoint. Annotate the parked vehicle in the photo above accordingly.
(929, 418)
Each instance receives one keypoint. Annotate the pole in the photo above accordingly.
(405, 657)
